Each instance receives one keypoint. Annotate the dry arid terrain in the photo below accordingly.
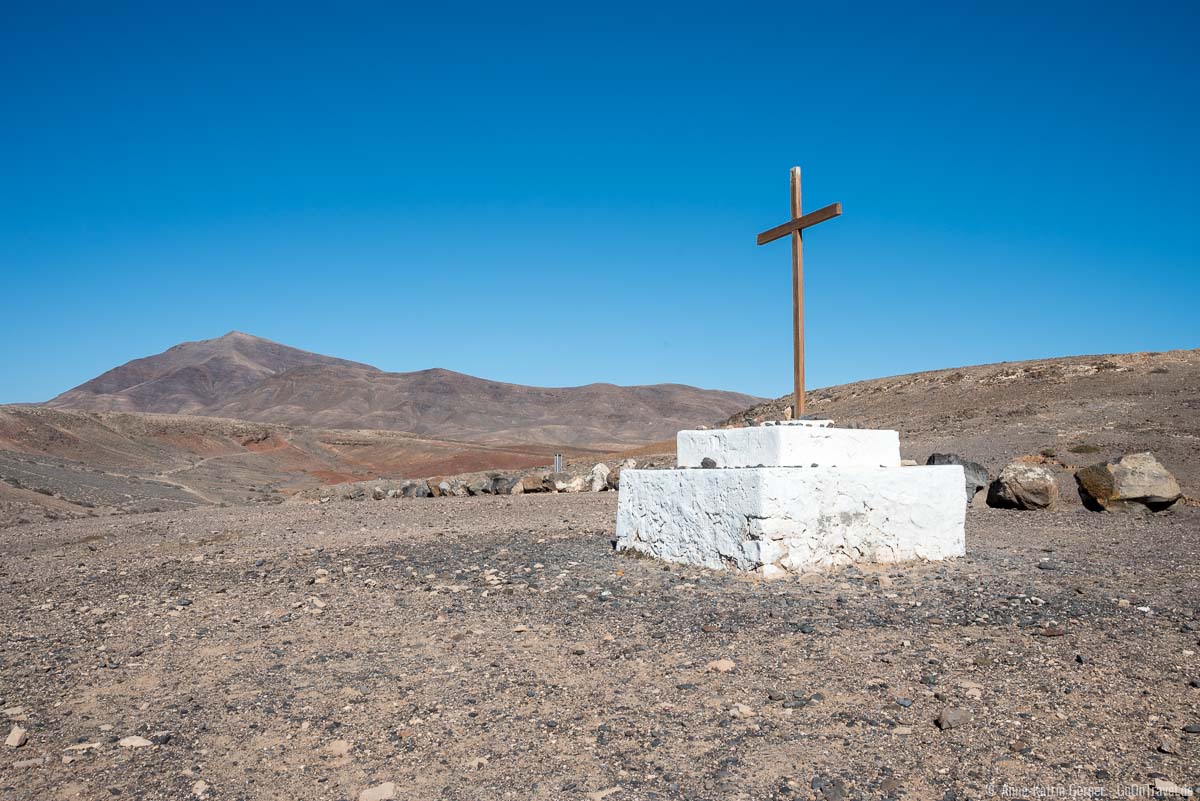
(63, 464)
(1082, 408)
(497, 647)
(244, 377)
(492, 647)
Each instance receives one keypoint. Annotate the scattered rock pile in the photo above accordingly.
(601, 477)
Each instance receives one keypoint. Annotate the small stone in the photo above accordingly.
(17, 737)
(1051, 631)
(708, 463)
(134, 742)
(1194, 683)
(1192, 728)
(200, 788)
(952, 718)
(775, 695)
(338, 748)
(709, 628)
(720, 666)
(904, 702)
(741, 711)
(380, 792)
(31, 763)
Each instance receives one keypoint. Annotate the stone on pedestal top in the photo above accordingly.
(800, 443)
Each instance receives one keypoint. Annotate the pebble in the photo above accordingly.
(904, 702)
(380, 792)
(721, 666)
(1192, 728)
(1051, 631)
(17, 737)
(338, 748)
(1167, 746)
(952, 717)
(741, 711)
(134, 742)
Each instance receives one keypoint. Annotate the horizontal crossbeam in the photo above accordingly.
(800, 223)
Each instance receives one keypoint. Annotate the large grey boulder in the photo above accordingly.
(598, 478)
(415, 489)
(507, 485)
(614, 478)
(533, 482)
(1023, 486)
(480, 486)
(976, 474)
(1135, 481)
(565, 482)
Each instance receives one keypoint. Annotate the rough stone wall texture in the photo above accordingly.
(779, 520)
(790, 446)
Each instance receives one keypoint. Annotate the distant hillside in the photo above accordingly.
(244, 377)
(1082, 409)
(61, 463)
(191, 377)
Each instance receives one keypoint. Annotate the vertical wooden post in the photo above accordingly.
(797, 301)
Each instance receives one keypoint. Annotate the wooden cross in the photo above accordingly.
(797, 224)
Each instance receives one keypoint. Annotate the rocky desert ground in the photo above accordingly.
(497, 647)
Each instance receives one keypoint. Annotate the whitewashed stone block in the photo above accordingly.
(793, 445)
(793, 519)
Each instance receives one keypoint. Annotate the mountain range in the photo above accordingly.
(245, 377)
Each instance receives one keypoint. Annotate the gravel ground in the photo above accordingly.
(497, 648)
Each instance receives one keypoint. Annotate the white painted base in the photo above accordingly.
(793, 519)
(790, 446)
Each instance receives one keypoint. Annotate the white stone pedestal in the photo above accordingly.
(766, 508)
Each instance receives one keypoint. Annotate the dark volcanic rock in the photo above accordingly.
(975, 474)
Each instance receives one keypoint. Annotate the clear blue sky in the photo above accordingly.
(548, 195)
